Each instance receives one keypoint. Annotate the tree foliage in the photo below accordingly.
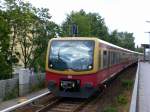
(122, 39)
(4, 47)
(93, 25)
(31, 29)
(139, 49)
(89, 25)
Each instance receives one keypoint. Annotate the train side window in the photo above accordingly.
(100, 59)
(114, 57)
(104, 52)
(118, 58)
(111, 58)
(105, 59)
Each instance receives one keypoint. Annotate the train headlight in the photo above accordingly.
(61, 84)
(51, 65)
(73, 85)
(90, 66)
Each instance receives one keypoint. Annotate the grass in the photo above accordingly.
(122, 99)
(110, 109)
(127, 84)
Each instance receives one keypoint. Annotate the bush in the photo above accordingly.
(127, 83)
(121, 99)
(5, 69)
(110, 109)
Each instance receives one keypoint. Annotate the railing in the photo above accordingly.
(134, 100)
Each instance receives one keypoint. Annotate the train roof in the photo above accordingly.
(96, 39)
(115, 46)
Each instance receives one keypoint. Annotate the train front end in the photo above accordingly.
(71, 68)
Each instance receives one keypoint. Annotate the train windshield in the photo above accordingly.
(76, 55)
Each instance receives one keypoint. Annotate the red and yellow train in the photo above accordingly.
(77, 66)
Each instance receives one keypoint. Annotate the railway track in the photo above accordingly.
(64, 105)
(70, 104)
(49, 103)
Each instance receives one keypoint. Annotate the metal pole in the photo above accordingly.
(148, 56)
(149, 37)
(144, 53)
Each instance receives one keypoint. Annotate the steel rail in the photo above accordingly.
(134, 100)
(24, 103)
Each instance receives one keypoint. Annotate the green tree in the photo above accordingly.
(139, 49)
(114, 39)
(98, 27)
(45, 32)
(89, 25)
(31, 29)
(127, 40)
(4, 47)
(122, 39)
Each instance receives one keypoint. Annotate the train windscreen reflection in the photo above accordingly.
(76, 55)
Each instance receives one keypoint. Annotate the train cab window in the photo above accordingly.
(105, 59)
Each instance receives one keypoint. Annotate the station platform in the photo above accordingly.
(141, 93)
(144, 87)
(10, 103)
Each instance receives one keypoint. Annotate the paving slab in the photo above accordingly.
(144, 87)
(9, 103)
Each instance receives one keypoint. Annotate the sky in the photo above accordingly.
(121, 15)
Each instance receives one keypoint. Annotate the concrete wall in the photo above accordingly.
(35, 80)
(7, 86)
(11, 85)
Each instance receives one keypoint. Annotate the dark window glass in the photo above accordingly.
(105, 59)
(71, 54)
